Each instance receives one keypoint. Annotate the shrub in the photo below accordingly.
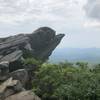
(32, 61)
(58, 82)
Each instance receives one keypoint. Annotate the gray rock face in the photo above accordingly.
(43, 41)
(38, 44)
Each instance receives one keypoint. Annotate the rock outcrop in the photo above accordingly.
(39, 44)
(15, 78)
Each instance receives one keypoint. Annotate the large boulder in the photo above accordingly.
(43, 41)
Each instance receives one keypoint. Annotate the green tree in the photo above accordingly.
(66, 82)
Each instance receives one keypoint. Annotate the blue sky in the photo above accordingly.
(78, 19)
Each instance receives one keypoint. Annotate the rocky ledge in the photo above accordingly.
(15, 49)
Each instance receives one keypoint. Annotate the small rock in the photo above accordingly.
(24, 95)
(4, 70)
(10, 87)
(21, 75)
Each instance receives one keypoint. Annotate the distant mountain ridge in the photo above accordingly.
(91, 55)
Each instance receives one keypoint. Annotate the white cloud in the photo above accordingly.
(92, 23)
(15, 11)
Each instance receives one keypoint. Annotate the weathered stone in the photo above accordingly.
(12, 56)
(38, 44)
(25, 95)
(14, 59)
(43, 41)
(4, 70)
(21, 75)
(10, 87)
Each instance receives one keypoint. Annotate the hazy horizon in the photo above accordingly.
(90, 55)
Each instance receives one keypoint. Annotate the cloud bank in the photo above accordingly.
(22, 10)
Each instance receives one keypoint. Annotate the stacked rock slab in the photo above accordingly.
(40, 44)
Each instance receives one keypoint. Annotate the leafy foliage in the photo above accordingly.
(32, 61)
(65, 81)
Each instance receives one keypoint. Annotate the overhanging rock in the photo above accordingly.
(40, 44)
